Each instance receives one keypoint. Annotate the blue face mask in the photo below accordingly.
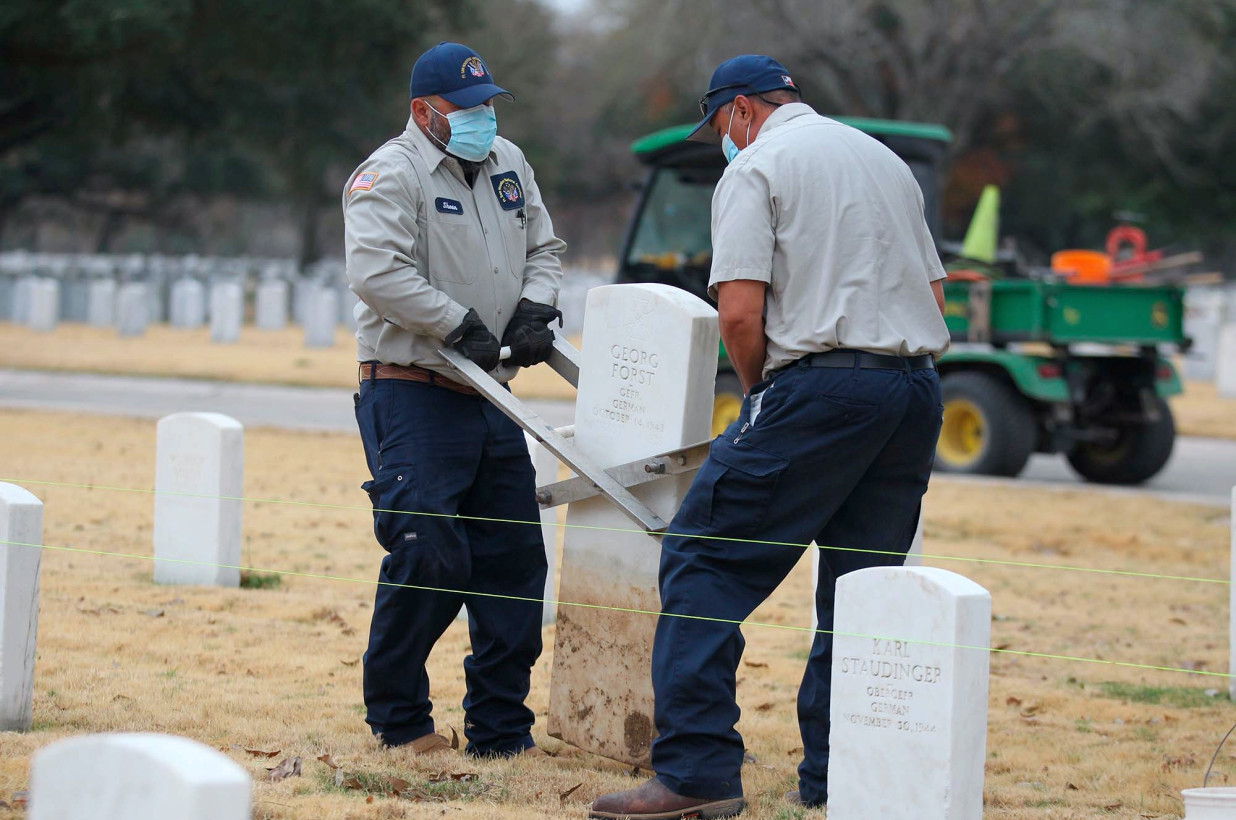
(728, 145)
(472, 132)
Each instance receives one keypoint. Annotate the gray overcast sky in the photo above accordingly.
(564, 5)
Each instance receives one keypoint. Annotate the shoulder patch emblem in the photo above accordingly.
(363, 182)
(508, 189)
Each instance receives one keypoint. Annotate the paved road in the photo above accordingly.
(1202, 470)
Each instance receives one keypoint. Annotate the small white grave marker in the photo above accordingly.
(648, 365)
(44, 305)
(270, 309)
(136, 777)
(101, 311)
(188, 303)
(1225, 362)
(132, 309)
(21, 523)
(909, 695)
(321, 315)
(227, 310)
(199, 479)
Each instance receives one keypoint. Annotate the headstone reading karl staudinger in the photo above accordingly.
(199, 479)
(909, 695)
(21, 536)
(648, 365)
(136, 777)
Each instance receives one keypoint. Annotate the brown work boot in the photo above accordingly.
(430, 743)
(794, 798)
(654, 801)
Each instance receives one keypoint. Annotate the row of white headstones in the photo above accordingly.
(127, 307)
(909, 688)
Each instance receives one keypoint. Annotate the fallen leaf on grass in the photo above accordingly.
(755, 664)
(1012, 701)
(457, 777)
(398, 785)
(454, 738)
(1070, 787)
(343, 781)
(1000, 647)
(328, 760)
(763, 707)
(1183, 762)
(1114, 806)
(258, 752)
(562, 796)
(1180, 621)
(290, 767)
(350, 663)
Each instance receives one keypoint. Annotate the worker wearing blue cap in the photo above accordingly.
(448, 243)
(830, 304)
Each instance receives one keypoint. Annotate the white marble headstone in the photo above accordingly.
(1225, 362)
(136, 777)
(270, 307)
(44, 305)
(22, 293)
(227, 311)
(188, 303)
(909, 695)
(1231, 591)
(648, 365)
(199, 479)
(102, 309)
(321, 315)
(21, 523)
(132, 308)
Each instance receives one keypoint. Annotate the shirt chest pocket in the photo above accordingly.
(455, 252)
(515, 241)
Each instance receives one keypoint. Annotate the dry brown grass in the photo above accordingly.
(1199, 411)
(261, 357)
(271, 670)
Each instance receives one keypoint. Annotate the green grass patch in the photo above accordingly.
(1184, 697)
(260, 580)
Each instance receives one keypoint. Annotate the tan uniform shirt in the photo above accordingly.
(422, 247)
(833, 221)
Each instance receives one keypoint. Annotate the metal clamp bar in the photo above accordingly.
(563, 448)
(631, 474)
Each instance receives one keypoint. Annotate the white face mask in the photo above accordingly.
(728, 145)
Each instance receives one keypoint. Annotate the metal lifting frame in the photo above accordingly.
(590, 480)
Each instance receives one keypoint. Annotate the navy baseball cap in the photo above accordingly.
(745, 74)
(455, 73)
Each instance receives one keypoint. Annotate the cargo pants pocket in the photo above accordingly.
(740, 484)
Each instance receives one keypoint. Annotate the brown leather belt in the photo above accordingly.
(412, 373)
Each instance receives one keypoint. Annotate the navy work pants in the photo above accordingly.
(434, 454)
(838, 456)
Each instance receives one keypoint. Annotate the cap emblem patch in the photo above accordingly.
(785, 78)
(473, 66)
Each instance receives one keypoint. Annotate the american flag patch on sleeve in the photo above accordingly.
(363, 181)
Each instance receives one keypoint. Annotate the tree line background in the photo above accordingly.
(230, 126)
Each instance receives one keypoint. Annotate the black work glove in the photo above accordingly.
(475, 341)
(528, 333)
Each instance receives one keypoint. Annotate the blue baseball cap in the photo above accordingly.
(745, 74)
(455, 73)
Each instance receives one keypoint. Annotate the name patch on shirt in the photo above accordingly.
(448, 206)
(363, 182)
(508, 189)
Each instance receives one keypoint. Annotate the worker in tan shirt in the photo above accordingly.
(829, 298)
(448, 244)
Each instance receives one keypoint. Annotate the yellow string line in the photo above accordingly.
(629, 610)
(355, 508)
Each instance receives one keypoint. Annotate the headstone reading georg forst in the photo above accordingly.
(21, 523)
(132, 309)
(649, 360)
(199, 479)
(270, 307)
(227, 310)
(188, 298)
(136, 777)
(322, 313)
(909, 696)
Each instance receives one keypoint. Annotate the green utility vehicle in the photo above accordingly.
(1036, 365)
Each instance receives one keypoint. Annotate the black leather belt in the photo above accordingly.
(868, 361)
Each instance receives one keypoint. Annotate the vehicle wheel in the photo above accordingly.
(988, 427)
(1139, 452)
(726, 402)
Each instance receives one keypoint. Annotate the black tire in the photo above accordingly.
(996, 432)
(1138, 454)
